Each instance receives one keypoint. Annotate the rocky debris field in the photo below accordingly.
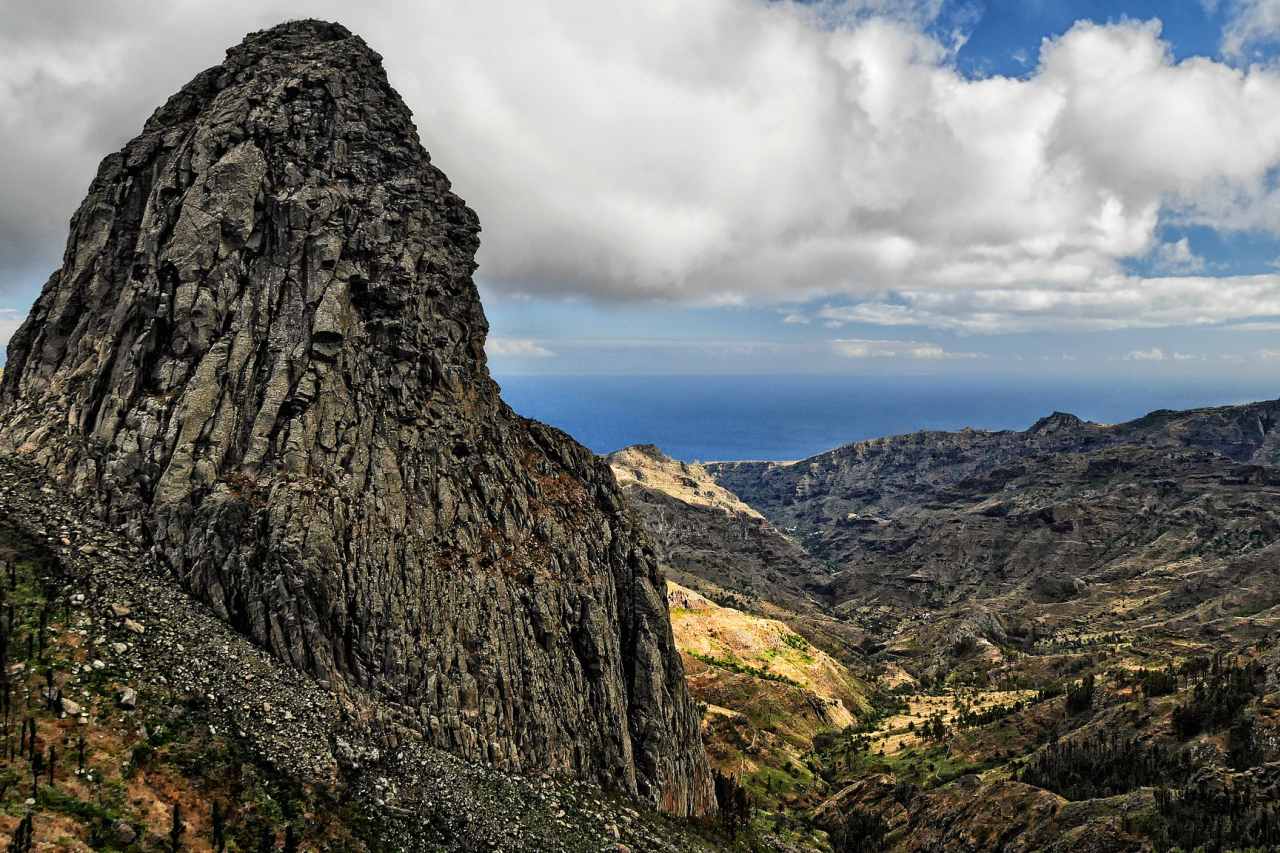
(343, 770)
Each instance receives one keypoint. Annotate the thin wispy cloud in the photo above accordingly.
(1124, 302)
(1257, 326)
(516, 348)
(916, 350)
(1249, 23)
(1159, 354)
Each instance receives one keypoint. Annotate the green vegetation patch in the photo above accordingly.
(744, 669)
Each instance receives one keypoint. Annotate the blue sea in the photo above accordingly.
(790, 417)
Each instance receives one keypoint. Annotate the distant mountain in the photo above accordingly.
(1072, 631)
(931, 519)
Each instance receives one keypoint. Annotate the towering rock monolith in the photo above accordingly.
(263, 357)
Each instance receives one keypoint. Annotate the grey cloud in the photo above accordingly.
(78, 80)
(723, 151)
(9, 322)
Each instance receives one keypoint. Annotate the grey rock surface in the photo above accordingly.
(263, 359)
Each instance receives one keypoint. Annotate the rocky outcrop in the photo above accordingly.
(263, 358)
(166, 667)
(1008, 817)
(709, 540)
(878, 794)
(705, 532)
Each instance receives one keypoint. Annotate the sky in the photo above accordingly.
(1026, 187)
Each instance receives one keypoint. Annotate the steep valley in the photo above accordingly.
(1068, 636)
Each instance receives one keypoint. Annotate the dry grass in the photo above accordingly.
(896, 733)
(684, 481)
(747, 643)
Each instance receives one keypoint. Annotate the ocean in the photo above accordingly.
(707, 418)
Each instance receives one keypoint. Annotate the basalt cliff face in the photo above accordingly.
(263, 359)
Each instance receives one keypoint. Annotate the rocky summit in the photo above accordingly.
(263, 360)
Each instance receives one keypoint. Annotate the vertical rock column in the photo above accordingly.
(263, 357)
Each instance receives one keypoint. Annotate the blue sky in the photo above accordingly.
(1082, 189)
(1006, 36)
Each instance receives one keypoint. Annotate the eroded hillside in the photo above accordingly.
(1069, 633)
(767, 693)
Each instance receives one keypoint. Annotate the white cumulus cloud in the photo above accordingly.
(728, 151)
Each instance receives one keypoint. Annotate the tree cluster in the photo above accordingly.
(1103, 766)
(1219, 697)
(1157, 682)
(861, 831)
(970, 719)
(1080, 695)
(1214, 818)
(934, 728)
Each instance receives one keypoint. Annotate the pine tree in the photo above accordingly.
(177, 829)
(23, 835)
(219, 828)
